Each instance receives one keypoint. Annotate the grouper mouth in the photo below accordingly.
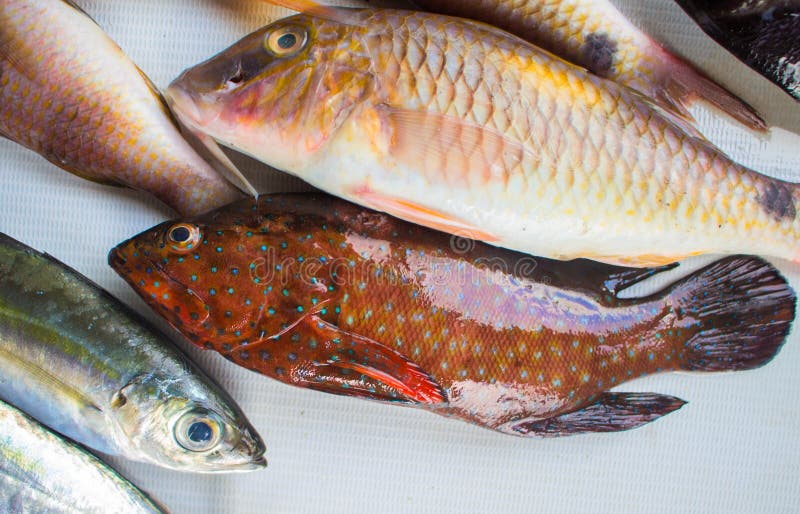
(178, 303)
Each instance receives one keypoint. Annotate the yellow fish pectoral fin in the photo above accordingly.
(422, 215)
(449, 150)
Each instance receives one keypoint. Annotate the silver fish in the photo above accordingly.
(88, 367)
(42, 472)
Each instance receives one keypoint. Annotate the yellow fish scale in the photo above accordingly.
(584, 146)
(595, 35)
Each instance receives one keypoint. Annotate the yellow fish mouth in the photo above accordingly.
(184, 106)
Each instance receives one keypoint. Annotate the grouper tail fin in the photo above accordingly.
(742, 308)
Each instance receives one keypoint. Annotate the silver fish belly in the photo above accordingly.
(42, 472)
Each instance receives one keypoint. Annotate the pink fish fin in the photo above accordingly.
(742, 310)
(673, 112)
(321, 356)
(229, 169)
(611, 412)
(421, 215)
(80, 172)
(682, 84)
(79, 9)
(341, 15)
(451, 151)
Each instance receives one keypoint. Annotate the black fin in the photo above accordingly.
(602, 281)
(747, 307)
(624, 278)
(612, 412)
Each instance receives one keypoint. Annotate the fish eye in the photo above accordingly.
(183, 237)
(286, 41)
(198, 431)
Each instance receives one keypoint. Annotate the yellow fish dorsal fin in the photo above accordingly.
(328, 12)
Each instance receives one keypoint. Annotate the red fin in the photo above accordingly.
(685, 84)
(321, 356)
(612, 412)
(421, 215)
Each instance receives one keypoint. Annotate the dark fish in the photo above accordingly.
(765, 34)
(319, 293)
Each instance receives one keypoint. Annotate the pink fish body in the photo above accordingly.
(69, 93)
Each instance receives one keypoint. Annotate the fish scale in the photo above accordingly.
(69, 93)
(463, 128)
(349, 301)
(564, 131)
(596, 36)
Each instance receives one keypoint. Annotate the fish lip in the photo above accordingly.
(117, 259)
(242, 467)
(183, 104)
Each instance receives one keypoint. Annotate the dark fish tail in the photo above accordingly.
(740, 310)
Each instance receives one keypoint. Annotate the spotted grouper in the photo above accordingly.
(320, 293)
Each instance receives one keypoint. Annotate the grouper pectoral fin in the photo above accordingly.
(612, 412)
(326, 358)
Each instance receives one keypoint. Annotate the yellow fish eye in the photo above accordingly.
(182, 237)
(287, 41)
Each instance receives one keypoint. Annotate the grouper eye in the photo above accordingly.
(183, 237)
(286, 41)
(198, 431)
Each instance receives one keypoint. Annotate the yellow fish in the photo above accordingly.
(462, 127)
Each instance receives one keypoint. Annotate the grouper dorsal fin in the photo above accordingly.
(603, 282)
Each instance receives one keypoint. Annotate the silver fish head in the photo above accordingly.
(279, 93)
(179, 423)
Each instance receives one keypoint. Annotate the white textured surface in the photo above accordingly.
(734, 447)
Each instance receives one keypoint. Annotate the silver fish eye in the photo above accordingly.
(198, 431)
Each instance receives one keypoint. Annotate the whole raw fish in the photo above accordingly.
(41, 472)
(765, 34)
(595, 35)
(461, 127)
(320, 293)
(86, 366)
(69, 93)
